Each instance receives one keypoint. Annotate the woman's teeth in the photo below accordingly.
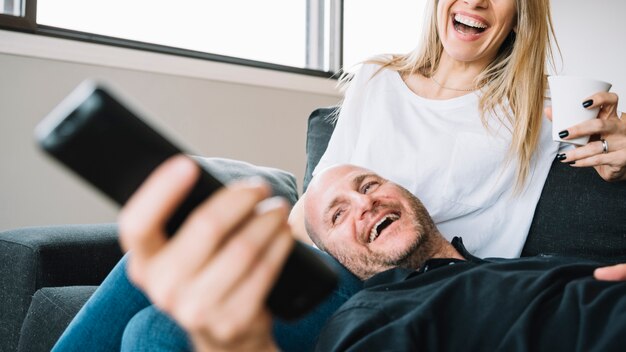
(468, 21)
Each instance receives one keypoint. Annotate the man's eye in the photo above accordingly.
(369, 187)
(336, 216)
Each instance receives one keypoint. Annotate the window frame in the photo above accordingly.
(28, 23)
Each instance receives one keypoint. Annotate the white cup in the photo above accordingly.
(568, 94)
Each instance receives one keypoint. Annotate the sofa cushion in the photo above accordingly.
(579, 214)
(320, 128)
(227, 170)
(49, 314)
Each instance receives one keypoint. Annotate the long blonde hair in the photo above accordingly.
(517, 75)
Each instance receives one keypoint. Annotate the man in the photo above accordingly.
(381, 233)
(455, 301)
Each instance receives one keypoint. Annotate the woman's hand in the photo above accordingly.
(610, 164)
(214, 275)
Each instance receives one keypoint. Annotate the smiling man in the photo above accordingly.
(370, 224)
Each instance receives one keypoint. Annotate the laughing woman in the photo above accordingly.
(459, 122)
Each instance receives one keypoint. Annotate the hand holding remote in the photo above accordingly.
(213, 277)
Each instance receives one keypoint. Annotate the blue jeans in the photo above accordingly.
(119, 317)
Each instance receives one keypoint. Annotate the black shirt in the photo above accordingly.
(525, 304)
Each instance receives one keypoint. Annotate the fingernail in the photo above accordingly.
(182, 164)
(563, 134)
(561, 157)
(253, 181)
(587, 103)
(572, 162)
(270, 204)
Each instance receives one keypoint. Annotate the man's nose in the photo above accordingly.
(363, 203)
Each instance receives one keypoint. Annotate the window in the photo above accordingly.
(12, 7)
(304, 36)
(271, 31)
(17, 14)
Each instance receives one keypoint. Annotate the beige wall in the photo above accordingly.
(261, 125)
(592, 38)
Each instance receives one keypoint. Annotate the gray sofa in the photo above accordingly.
(47, 273)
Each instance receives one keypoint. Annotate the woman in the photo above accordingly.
(462, 118)
(459, 122)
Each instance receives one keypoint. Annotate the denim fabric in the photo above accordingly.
(119, 317)
(152, 330)
(99, 325)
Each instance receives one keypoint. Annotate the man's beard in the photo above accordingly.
(411, 256)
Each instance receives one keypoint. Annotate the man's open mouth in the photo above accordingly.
(468, 25)
(382, 224)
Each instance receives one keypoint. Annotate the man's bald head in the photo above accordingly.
(368, 223)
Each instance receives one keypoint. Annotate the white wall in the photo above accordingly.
(592, 37)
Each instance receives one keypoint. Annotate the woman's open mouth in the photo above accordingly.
(468, 25)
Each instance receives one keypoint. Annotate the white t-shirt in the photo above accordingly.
(441, 152)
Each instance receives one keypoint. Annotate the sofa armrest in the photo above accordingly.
(36, 257)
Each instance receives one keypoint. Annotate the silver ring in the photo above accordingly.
(605, 146)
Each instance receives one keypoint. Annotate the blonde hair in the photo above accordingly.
(517, 75)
